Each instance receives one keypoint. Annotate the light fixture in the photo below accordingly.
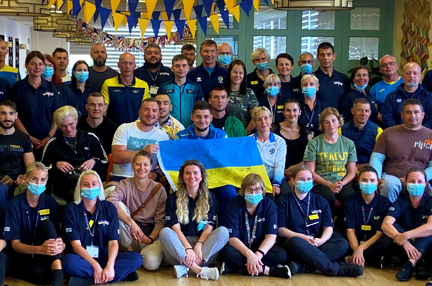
(319, 5)
(23, 8)
(68, 35)
(54, 22)
(79, 40)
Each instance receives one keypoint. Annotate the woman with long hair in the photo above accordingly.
(80, 85)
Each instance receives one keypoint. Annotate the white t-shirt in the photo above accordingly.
(67, 78)
(130, 135)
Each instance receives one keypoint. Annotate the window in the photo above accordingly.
(318, 20)
(310, 44)
(274, 45)
(231, 40)
(363, 47)
(270, 19)
(365, 19)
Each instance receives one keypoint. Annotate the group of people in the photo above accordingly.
(79, 139)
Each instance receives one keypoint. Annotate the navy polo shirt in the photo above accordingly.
(354, 217)
(19, 213)
(277, 109)
(235, 220)
(154, 79)
(290, 89)
(291, 217)
(407, 216)
(309, 118)
(36, 106)
(189, 229)
(81, 99)
(207, 81)
(256, 83)
(332, 88)
(4, 89)
(105, 226)
(348, 100)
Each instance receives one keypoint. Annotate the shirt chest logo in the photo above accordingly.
(164, 74)
(220, 79)
(199, 79)
(398, 100)
(338, 83)
(272, 150)
(117, 90)
(48, 94)
(135, 91)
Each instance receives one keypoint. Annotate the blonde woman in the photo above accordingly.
(273, 98)
(188, 241)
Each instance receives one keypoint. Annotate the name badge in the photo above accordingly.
(91, 222)
(314, 216)
(93, 251)
(44, 212)
(154, 89)
(366, 227)
(254, 82)
(280, 107)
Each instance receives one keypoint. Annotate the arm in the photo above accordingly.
(251, 125)
(326, 235)
(421, 231)
(317, 178)
(351, 173)
(377, 161)
(121, 155)
(28, 158)
(105, 93)
(108, 272)
(388, 227)
(285, 232)
(280, 162)
(352, 239)
(43, 249)
(387, 112)
(268, 242)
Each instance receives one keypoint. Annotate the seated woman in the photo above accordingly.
(92, 229)
(70, 152)
(272, 149)
(364, 212)
(140, 226)
(272, 98)
(32, 225)
(409, 223)
(332, 159)
(189, 241)
(306, 228)
(251, 219)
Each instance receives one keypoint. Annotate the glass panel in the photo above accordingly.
(310, 44)
(232, 40)
(365, 19)
(363, 47)
(318, 20)
(274, 45)
(270, 19)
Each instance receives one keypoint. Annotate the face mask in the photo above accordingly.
(36, 189)
(201, 225)
(306, 68)
(304, 186)
(309, 91)
(253, 199)
(48, 72)
(90, 193)
(272, 90)
(368, 188)
(262, 66)
(360, 87)
(224, 59)
(82, 76)
(415, 190)
(411, 84)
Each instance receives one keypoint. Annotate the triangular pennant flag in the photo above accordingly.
(230, 5)
(169, 6)
(150, 4)
(246, 6)
(203, 23)
(164, 16)
(124, 21)
(215, 21)
(114, 5)
(51, 2)
(168, 27)
(69, 6)
(192, 26)
(98, 4)
(76, 7)
(198, 10)
(118, 18)
(208, 6)
(266, 2)
(156, 27)
(221, 5)
(236, 13)
(104, 14)
(256, 4)
(187, 7)
(272, 1)
(213, 8)
(81, 2)
(180, 24)
(89, 9)
(143, 23)
(156, 15)
(132, 6)
(132, 22)
(144, 15)
(59, 4)
(225, 17)
(177, 14)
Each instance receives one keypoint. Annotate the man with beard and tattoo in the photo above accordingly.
(99, 72)
(16, 151)
(153, 71)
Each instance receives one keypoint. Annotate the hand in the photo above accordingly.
(19, 180)
(318, 241)
(97, 274)
(36, 142)
(358, 257)
(49, 247)
(87, 165)
(108, 274)
(136, 232)
(254, 265)
(334, 187)
(147, 240)
(9, 182)
(309, 239)
(198, 253)
(59, 246)
(380, 181)
(151, 148)
(190, 257)
(63, 166)
(43, 142)
(400, 238)
(411, 251)
(276, 190)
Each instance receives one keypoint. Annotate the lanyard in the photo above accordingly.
(305, 215)
(365, 222)
(251, 239)
(30, 225)
(271, 109)
(88, 226)
(312, 114)
(155, 78)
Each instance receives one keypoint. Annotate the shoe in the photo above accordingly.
(296, 268)
(280, 271)
(429, 283)
(349, 270)
(424, 270)
(406, 272)
(78, 281)
(180, 271)
(225, 269)
(131, 277)
(209, 273)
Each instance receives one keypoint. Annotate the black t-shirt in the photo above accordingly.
(12, 149)
(220, 123)
(105, 131)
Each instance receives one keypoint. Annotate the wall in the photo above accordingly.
(46, 43)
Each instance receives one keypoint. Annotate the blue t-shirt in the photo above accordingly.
(380, 90)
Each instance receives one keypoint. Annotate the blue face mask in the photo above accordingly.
(36, 189)
(82, 76)
(368, 188)
(306, 68)
(201, 225)
(309, 91)
(48, 72)
(253, 199)
(272, 90)
(262, 66)
(360, 87)
(224, 59)
(90, 193)
(304, 186)
(412, 84)
(415, 190)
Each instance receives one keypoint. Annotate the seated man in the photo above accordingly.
(402, 147)
(166, 121)
(202, 129)
(16, 151)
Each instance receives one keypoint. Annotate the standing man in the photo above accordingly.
(99, 71)
(189, 51)
(208, 74)
(61, 58)
(153, 71)
(306, 64)
(124, 93)
(225, 55)
(333, 84)
(167, 122)
(11, 74)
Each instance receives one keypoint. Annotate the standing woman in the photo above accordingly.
(80, 86)
(306, 228)
(188, 240)
(242, 100)
(32, 226)
(260, 58)
(251, 219)
(92, 229)
(36, 101)
(272, 98)
(285, 65)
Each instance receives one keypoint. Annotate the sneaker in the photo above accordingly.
(296, 268)
(225, 269)
(209, 273)
(180, 271)
(424, 270)
(429, 283)
(131, 277)
(78, 281)
(349, 270)
(282, 271)
(406, 272)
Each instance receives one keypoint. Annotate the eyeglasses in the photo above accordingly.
(225, 54)
(387, 64)
(307, 62)
(49, 65)
(361, 75)
(254, 191)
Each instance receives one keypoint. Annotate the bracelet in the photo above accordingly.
(200, 242)
(152, 240)
(189, 248)
(260, 251)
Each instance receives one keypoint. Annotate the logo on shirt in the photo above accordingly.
(135, 91)
(427, 144)
(391, 209)
(274, 226)
(103, 222)
(381, 90)
(68, 230)
(377, 217)
(167, 217)
(272, 150)
(164, 73)
(338, 83)
(229, 230)
(6, 228)
(117, 90)
(220, 79)
(48, 94)
(399, 100)
(199, 79)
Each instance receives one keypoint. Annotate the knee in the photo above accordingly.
(222, 233)
(165, 233)
(152, 261)
(294, 242)
(135, 258)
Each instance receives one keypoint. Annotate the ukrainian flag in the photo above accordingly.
(227, 161)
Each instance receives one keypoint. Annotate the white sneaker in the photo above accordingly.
(180, 271)
(209, 273)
